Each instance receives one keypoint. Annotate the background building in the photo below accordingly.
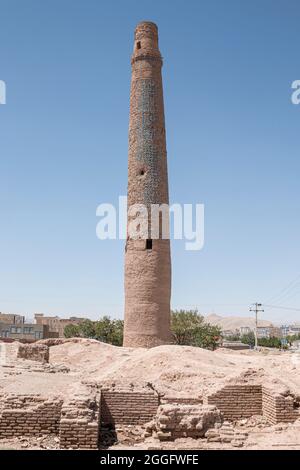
(56, 324)
(245, 330)
(11, 318)
(15, 329)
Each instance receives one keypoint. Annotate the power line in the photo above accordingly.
(288, 295)
(283, 292)
(282, 308)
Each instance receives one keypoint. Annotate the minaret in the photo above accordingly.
(147, 259)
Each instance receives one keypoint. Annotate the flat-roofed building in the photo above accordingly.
(11, 318)
(57, 324)
(228, 333)
(294, 329)
(263, 332)
(23, 331)
(245, 330)
(275, 332)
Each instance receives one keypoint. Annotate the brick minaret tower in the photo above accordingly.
(147, 260)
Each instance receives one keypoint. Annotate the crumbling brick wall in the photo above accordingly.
(29, 415)
(80, 421)
(34, 352)
(278, 408)
(77, 418)
(237, 401)
(128, 407)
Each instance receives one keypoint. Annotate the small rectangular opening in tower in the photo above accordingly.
(138, 45)
(149, 244)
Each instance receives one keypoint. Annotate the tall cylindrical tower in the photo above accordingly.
(147, 259)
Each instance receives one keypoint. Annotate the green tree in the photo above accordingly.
(270, 342)
(71, 331)
(105, 330)
(292, 338)
(189, 328)
(87, 329)
(109, 331)
(248, 338)
(236, 337)
(117, 333)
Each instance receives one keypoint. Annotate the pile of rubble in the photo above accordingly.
(176, 421)
(227, 434)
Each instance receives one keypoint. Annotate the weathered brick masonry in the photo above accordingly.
(34, 352)
(125, 407)
(278, 408)
(80, 422)
(29, 415)
(243, 401)
(77, 419)
(237, 401)
(147, 257)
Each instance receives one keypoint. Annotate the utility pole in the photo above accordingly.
(256, 309)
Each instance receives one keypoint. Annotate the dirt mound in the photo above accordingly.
(170, 369)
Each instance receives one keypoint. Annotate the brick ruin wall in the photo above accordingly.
(78, 419)
(80, 422)
(278, 408)
(128, 408)
(237, 401)
(34, 352)
(29, 415)
(243, 401)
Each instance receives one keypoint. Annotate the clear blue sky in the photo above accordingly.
(232, 136)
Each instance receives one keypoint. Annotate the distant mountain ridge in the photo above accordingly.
(233, 322)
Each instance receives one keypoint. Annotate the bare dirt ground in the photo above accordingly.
(172, 370)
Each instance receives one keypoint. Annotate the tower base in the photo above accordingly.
(145, 341)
